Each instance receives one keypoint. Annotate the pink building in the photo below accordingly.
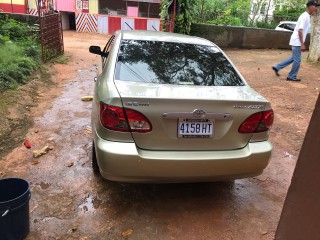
(100, 16)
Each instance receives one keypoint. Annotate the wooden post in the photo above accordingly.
(300, 215)
(174, 14)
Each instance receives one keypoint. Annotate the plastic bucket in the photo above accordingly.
(14, 209)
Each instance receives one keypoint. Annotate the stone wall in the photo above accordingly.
(243, 37)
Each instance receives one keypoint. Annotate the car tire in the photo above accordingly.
(94, 161)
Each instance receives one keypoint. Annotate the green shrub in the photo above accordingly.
(26, 62)
(267, 25)
(288, 13)
(20, 53)
(15, 72)
(6, 81)
(33, 52)
(9, 52)
(226, 18)
(15, 69)
(14, 29)
(4, 39)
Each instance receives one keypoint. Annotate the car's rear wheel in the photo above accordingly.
(95, 166)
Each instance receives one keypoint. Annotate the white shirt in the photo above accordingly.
(304, 24)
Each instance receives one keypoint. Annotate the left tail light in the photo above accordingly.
(258, 122)
(123, 120)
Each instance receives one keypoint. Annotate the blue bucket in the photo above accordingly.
(14, 208)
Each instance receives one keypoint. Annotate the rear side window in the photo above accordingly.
(291, 26)
(174, 63)
(288, 26)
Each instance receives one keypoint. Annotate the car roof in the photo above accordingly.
(287, 22)
(163, 37)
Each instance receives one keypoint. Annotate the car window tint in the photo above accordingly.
(174, 63)
(291, 26)
(288, 26)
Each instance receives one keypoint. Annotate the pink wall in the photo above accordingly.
(66, 5)
(109, 24)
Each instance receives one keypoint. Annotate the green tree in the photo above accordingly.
(183, 18)
(164, 4)
(288, 10)
(231, 12)
(207, 10)
(241, 9)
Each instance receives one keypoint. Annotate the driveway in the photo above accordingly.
(70, 202)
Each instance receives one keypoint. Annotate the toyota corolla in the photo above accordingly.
(174, 108)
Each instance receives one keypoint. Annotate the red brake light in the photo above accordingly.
(137, 121)
(258, 122)
(124, 120)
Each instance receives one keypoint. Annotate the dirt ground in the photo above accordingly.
(69, 202)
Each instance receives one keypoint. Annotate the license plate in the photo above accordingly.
(195, 128)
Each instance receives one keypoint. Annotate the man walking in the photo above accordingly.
(297, 40)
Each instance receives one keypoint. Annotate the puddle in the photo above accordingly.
(69, 107)
(90, 204)
(44, 186)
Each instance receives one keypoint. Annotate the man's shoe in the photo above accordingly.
(294, 79)
(276, 71)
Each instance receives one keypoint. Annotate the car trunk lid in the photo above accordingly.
(185, 117)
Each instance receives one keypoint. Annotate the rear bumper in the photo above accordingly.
(124, 162)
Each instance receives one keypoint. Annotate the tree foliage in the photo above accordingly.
(183, 18)
(206, 10)
(232, 12)
(290, 12)
(241, 9)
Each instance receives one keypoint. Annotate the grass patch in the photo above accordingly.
(9, 52)
(62, 59)
(15, 67)
(20, 54)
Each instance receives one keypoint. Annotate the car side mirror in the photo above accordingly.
(95, 50)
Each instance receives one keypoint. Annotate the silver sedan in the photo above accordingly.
(173, 108)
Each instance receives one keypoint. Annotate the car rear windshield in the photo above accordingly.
(174, 63)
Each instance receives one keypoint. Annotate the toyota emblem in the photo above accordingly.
(199, 113)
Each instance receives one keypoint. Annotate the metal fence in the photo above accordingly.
(51, 35)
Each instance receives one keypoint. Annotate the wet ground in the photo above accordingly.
(70, 202)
